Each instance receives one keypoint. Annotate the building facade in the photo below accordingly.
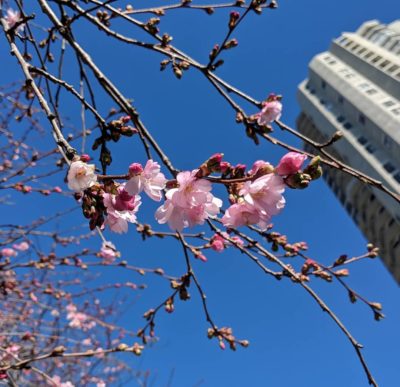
(355, 88)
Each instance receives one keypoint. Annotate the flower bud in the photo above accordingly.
(135, 169)
(233, 18)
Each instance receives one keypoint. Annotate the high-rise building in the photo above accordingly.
(355, 88)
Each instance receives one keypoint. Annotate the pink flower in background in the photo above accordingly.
(149, 180)
(271, 111)
(8, 252)
(12, 18)
(81, 176)
(108, 252)
(77, 319)
(265, 193)
(23, 246)
(121, 209)
(290, 164)
(190, 204)
(57, 382)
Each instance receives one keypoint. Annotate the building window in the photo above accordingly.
(323, 84)
(371, 91)
(362, 140)
(397, 177)
(384, 63)
(389, 167)
(363, 86)
(341, 119)
(393, 68)
(389, 103)
(361, 119)
(387, 142)
(340, 100)
(369, 54)
(396, 111)
(347, 125)
(370, 148)
(376, 59)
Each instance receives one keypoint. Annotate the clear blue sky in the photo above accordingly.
(292, 342)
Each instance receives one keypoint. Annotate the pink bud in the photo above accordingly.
(125, 119)
(290, 164)
(222, 344)
(85, 158)
(216, 158)
(57, 189)
(224, 166)
(135, 169)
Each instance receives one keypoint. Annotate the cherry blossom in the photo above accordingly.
(244, 214)
(108, 252)
(81, 176)
(57, 382)
(78, 319)
(220, 241)
(8, 252)
(290, 164)
(23, 246)
(12, 18)
(265, 193)
(271, 111)
(190, 204)
(150, 180)
(121, 209)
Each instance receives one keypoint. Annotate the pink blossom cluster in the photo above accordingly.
(121, 209)
(220, 242)
(56, 381)
(188, 199)
(78, 320)
(13, 252)
(189, 204)
(262, 198)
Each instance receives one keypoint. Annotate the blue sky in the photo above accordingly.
(292, 341)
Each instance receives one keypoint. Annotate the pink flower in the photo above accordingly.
(108, 252)
(12, 18)
(243, 214)
(189, 204)
(149, 180)
(57, 382)
(218, 243)
(8, 252)
(23, 246)
(121, 209)
(260, 167)
(265, 193)
(290, 164)
(271, 111)
(81, 176)
(77, 319)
